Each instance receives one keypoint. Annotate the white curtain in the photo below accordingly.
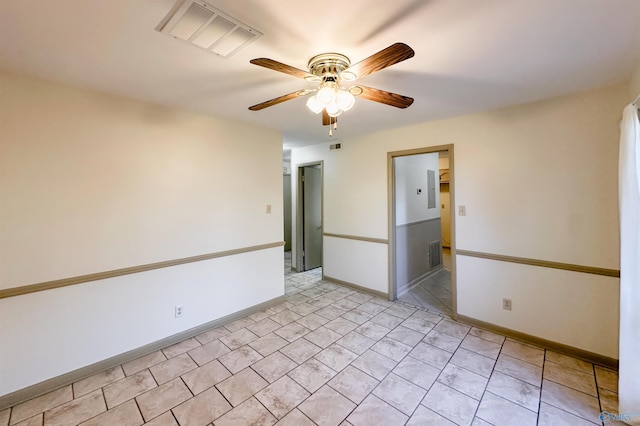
(629, 195)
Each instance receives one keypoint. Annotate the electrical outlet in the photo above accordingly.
(179, 311)
(506, 304)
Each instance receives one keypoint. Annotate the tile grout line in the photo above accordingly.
(223, 396)
(595, 379)
(135, 401)
(493, 368)
(544, 361)
(486, 388)
(263, 406)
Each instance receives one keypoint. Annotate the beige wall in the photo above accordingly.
(91, 183)
(84, 174)
(538, 181)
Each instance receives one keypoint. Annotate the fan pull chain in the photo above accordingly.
(334, 125)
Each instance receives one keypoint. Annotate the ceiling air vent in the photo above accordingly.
(205, 26)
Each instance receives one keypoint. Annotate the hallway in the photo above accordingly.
(434, 292)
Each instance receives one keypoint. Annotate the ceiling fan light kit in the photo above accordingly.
(330, 70)
(332, 97)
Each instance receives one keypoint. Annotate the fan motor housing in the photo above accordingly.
(328, 63)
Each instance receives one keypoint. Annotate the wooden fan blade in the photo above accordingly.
(393, 54)
(275, 101)
(279, 66)
(384, 97)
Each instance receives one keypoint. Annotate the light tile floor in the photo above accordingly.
(333, 356)
(434, 292)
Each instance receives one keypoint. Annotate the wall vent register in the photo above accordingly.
(204, 26)
(435, 254)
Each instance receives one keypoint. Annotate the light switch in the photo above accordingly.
(462, 210)
(268, 208)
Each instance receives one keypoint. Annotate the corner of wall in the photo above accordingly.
(634, 83)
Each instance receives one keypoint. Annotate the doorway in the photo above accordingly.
(422, 268)
(286, 205)
(309, 229)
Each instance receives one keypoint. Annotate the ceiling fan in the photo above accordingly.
(333, 69)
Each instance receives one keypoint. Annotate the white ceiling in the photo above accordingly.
(471, 55)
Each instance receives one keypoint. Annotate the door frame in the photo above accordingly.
(393, 286)
(299, 213)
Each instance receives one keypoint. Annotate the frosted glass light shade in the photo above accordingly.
(333, 109)
(326, 95)
(314, 105)
(345, 100)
